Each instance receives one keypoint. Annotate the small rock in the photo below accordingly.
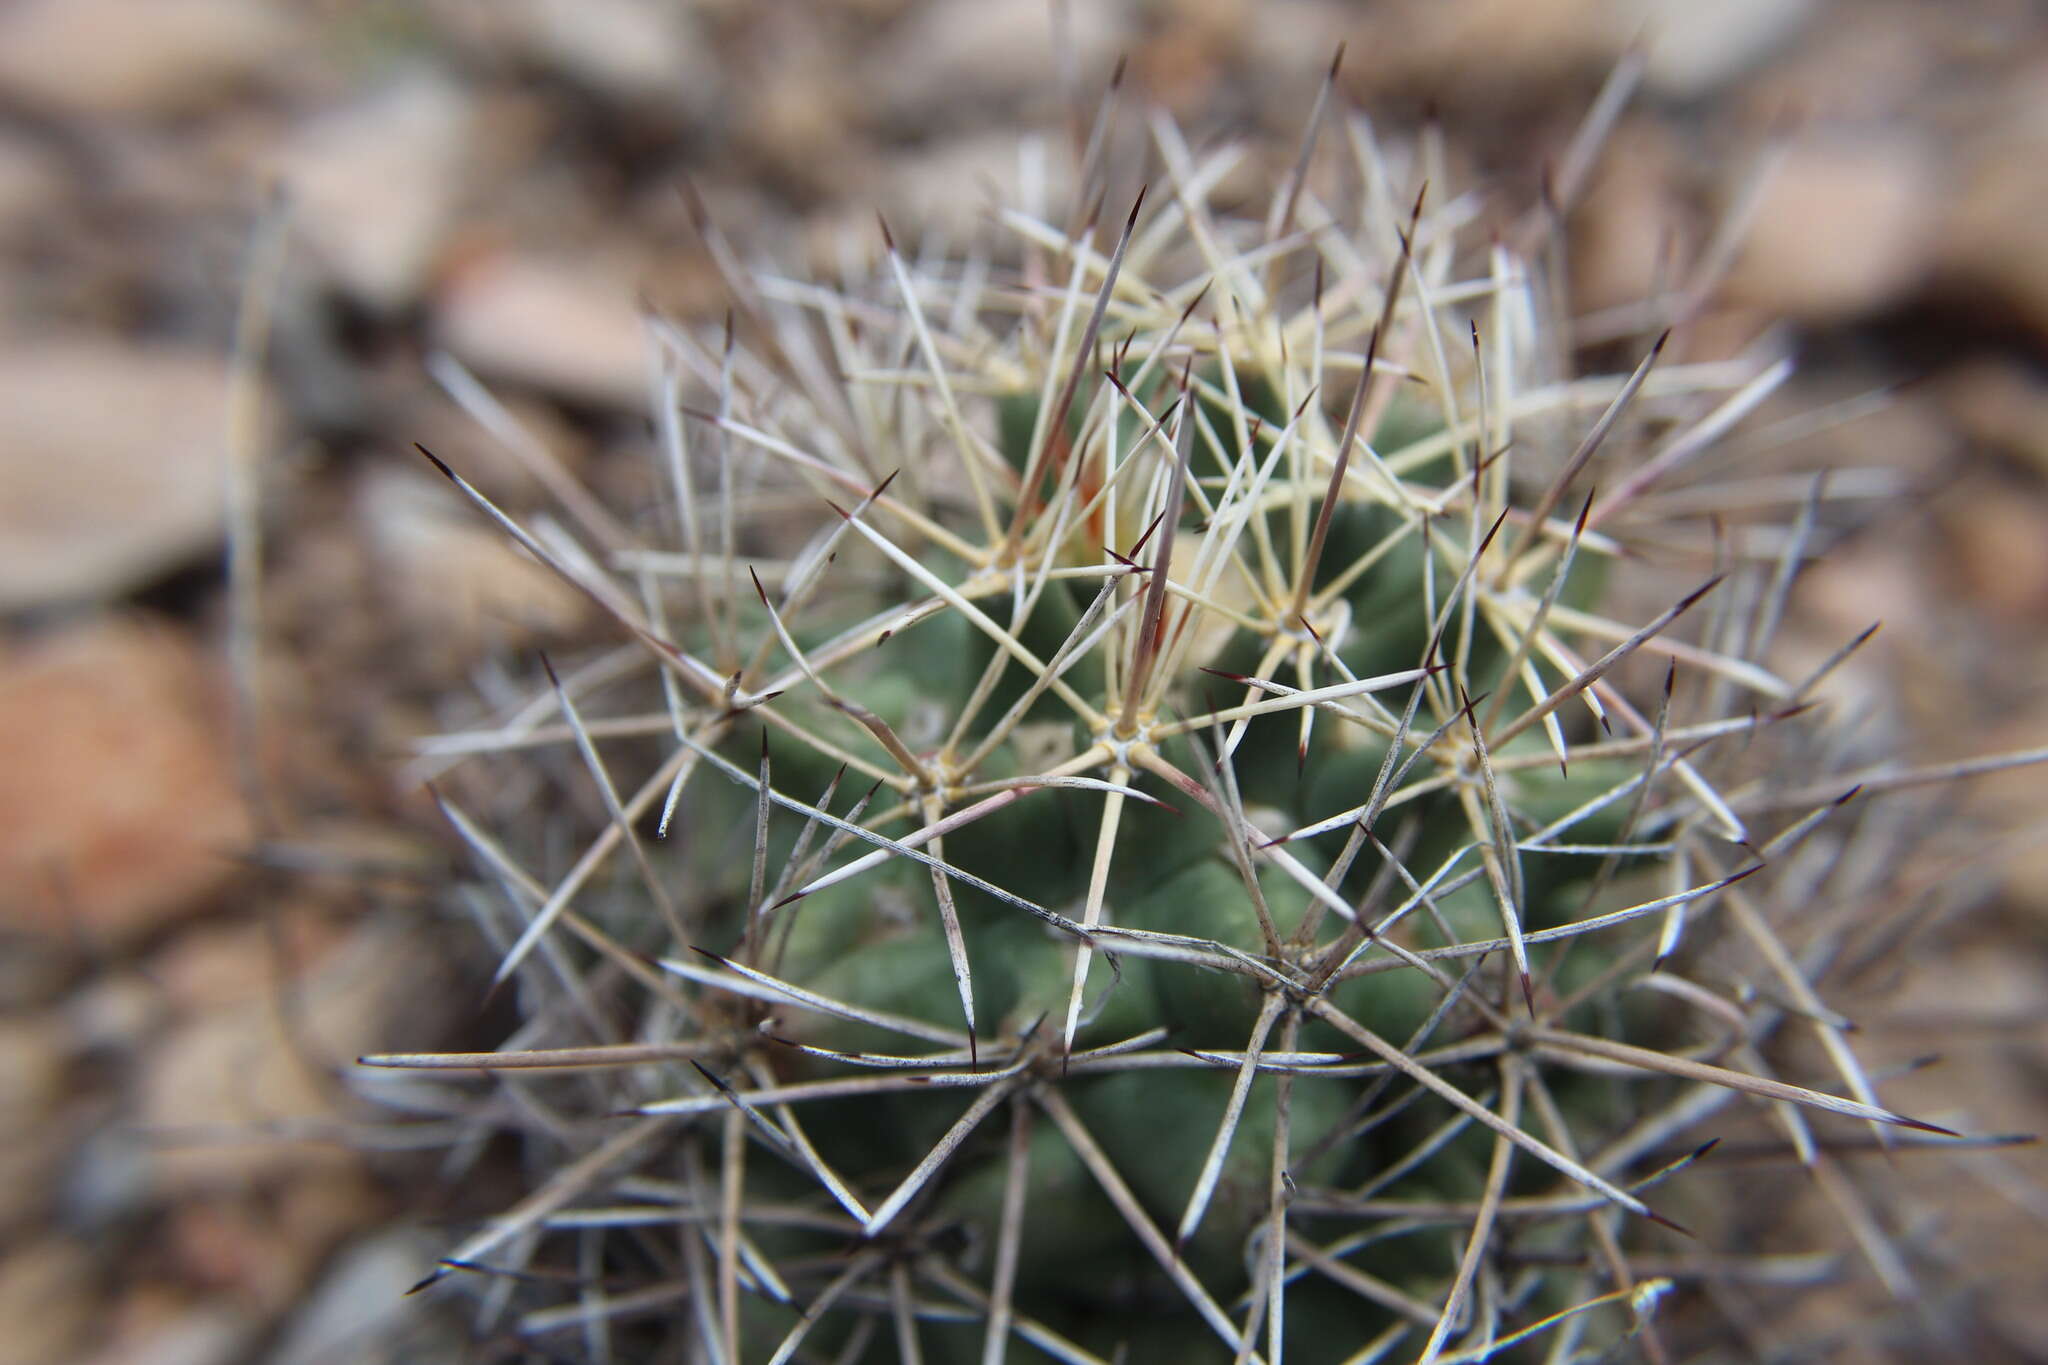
(988, 58)
(623, 48)
(135, 57)
(217, 1334)
(568, 326)
(1870, 64)
(1696, 49)
(233, 1097)
(1192, 52)
(113, 468)
(947, 189)
(210, 967)
(115, 1012)
(1287, 40)
(107, 1179)
(1844, 228)
(377, 182)
(458, 582)
(48, 1299)
(1990, 233)
(1480, 51)
(118, 804)
(799, 126)
(362, 1293)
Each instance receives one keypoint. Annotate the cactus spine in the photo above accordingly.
(1165, 864)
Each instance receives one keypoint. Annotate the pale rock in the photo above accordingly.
(1221, 27)
(1870, 64)
(988, 56)
(1695, 49)
(115, 1013)
(684, 285)
(566, 325)
(49, 1301)
(1724, 330)
(1286, 40)
(135, 57)
(1481, 51)
(456, 580)
(947, 189)
(799, 125)
(213, 966)
(213, 1334)
(1991, 236)
(621, 47)
(376, 184)
(1196, 47)
(107, 1180)
(1844, 227)
(119, 810)
(232, 1098)
(362, 1292)
(844, 245)
(112, 469)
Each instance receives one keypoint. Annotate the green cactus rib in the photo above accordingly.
(1165, 869)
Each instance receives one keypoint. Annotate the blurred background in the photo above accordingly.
(213, 873)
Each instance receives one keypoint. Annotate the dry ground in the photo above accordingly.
(212, 895)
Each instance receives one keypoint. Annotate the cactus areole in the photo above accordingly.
(1146, 767)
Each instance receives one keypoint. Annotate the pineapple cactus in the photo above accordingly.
(1126, 820)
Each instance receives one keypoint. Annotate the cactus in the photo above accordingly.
(1127, 823)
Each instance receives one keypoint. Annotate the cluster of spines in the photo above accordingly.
(1120, 456)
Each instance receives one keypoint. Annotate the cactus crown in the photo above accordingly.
(1165, 868)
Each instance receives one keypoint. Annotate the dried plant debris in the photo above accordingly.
(1174, 787)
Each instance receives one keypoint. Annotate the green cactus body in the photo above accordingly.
(1167, 781)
